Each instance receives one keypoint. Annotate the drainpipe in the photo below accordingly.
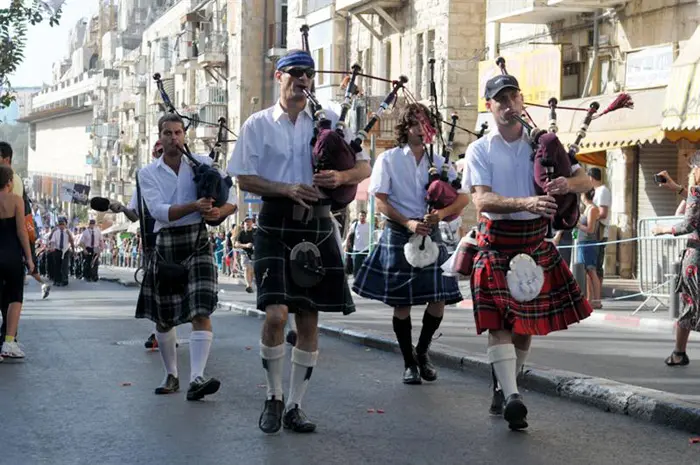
(596, 46)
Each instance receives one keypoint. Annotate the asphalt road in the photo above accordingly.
(68, 404)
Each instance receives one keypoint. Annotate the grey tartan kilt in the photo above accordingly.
(175, 245)
(274, 238)
(386, 275)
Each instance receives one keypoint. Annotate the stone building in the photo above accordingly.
(581, 51)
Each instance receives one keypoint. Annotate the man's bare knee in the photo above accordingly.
(501, 336)
(276, 317)
(402, 312)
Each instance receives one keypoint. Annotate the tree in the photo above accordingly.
(14, 23)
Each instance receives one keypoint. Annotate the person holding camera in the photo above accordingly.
(689, 284)
(663, 179)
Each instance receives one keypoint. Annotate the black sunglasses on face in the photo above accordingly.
(299, 72)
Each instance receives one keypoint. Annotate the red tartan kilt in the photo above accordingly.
(559, 304)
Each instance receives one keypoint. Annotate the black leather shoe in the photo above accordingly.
(411, 375)
(151, 342)
(427, 370)
(201, 387)
(171, 384)
(270, 420)
(497, 402)
(296, 420)
(515, 412)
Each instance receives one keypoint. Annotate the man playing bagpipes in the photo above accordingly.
(180, 281)
(520, 285)
(298, 263)
(399, 183)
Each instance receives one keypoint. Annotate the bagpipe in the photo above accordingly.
(552, 160)
(330, 150)
(208, 179)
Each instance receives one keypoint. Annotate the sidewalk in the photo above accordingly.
(612, 360)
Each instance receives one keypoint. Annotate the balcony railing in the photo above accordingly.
(214, 42)
(215, 95)
(277, 35)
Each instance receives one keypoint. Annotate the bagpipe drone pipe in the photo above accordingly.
(208, 179)
(552, 160)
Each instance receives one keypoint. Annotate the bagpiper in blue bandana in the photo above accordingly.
(296, 59)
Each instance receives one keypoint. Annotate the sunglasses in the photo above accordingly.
(299, 72)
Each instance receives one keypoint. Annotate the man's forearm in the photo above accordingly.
(227, 210)
(175, 212)
(457, 206)
(132, 215)
(359, 173)
(385, 208)
(261, 186)
(489, 202)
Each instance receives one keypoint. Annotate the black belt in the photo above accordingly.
(294, 211)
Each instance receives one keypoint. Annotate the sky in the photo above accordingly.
(46, 45)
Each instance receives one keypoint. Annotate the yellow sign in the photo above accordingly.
(538, 72)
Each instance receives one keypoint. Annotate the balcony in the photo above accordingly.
(137, 83)
(539, 11)
(276, 40)
(212, 95)
(210, 114)
(162, 64)
(104, 130)
(212, 50)
(358, 6)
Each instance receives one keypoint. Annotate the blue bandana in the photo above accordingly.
(300, 58)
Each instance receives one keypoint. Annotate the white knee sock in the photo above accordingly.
(303, 364)
(273, 362)
(502, 357)
(520, 357)
(200, 345)
(168, 352)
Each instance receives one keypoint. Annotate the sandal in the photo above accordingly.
(672, 363)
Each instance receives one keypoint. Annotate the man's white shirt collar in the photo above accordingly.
(278, 111)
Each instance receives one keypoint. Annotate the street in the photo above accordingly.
(85, 395)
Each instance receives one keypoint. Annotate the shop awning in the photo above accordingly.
(682, 103)
(621, 128)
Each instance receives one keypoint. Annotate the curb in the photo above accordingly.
(120, 281)
(649, 405)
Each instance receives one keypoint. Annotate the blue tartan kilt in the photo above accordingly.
(387, 276)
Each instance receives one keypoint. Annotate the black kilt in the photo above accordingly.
(277, 233)
(387, 276)
(188, 245)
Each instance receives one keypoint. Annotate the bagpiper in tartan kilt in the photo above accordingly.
(560, 302)
(188, 245)
(277, 233)
(386, 275)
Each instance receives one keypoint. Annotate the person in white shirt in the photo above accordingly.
(520, 286)
(357, 241)
(91, 240)
(298, 264)
(603, 200)
(180, 283)
(399, 184)
(60, 243)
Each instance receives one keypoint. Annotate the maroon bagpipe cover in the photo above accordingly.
(442, 194)
(332, 152)
(551, 150)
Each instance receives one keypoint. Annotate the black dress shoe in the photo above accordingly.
(201, 387)
(497, 402)
(426, 368)
(515, 412)
(171, 384)
(249, 290)
(411, 375)
(270, 420)
(295, 419)
(151, 342)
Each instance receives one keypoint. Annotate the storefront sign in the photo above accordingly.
(538, 72)
(650, 67)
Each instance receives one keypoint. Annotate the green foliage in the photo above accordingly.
(14, 23)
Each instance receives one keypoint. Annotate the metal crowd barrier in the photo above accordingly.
(656, 257)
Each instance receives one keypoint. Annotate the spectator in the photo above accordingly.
(587, 253)
(244, 241)
(603, 200)
(357, 242)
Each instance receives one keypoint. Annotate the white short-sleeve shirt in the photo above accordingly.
(397, 174)
(506, 167)
(271, 146)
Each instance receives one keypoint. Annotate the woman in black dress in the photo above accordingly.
(14, 253)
